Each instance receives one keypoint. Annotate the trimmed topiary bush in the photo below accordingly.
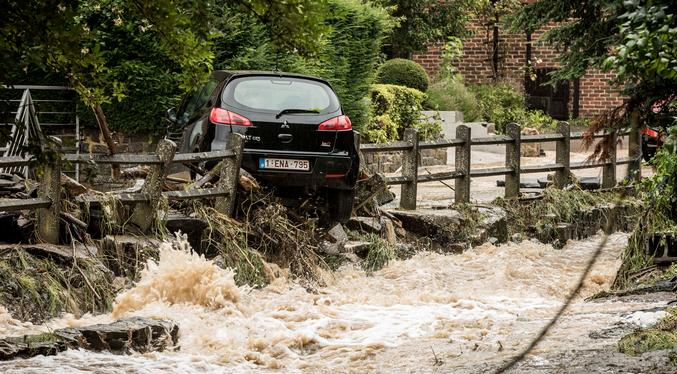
(403, 72)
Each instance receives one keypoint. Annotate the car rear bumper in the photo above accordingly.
(333, 170)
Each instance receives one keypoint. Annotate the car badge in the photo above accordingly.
(285, 125)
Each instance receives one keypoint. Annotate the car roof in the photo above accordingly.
(227, 74)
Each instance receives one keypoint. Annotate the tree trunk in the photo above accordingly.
(107, 136)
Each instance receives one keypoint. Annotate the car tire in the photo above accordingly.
(340, 205)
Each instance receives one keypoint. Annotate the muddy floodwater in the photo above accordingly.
(433, 313)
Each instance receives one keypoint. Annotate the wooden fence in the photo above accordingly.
(513, 139)
(145, 203)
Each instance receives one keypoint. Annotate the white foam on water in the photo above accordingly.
(465, 306)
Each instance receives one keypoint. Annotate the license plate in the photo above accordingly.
(284, 164)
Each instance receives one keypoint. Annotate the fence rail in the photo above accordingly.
(513, 139)
(146, 202)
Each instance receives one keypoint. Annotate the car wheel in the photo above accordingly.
(340, 205)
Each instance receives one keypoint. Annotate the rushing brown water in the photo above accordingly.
(472, 310)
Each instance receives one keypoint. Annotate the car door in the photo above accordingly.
(193, 115)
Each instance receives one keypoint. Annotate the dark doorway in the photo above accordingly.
(546, 97)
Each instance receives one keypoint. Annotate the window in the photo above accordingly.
(276, 94)
(196, 100)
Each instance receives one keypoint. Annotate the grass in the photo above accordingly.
(36, 288)
(379, 254)
(472, 218)
(661, 336)
(654, 220)
(557, 206)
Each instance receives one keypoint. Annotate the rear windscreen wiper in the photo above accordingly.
(289, 111)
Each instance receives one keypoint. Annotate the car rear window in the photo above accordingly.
(276, 94)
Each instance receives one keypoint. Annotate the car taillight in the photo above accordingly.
(650, 132)
(340, 123)
(226, 117)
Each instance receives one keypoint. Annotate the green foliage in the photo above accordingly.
(379, 254)
(425, 21)
(666, 174)
(663, 335)
(557, 206)
(395, 108)
(451, 52)
(147, 50)
(347, 56)
(646, 48)
(453, 95)
(502, 104)
(403, 72)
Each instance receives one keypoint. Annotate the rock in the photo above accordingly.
(517, 238)
(124, 336)
(351, 257)
(330, 248)
(134, 334)
(336, 239)
(493, 240)
(389, 231)
(528, 183)
(493, 224)
(30, 346)
(439, 225)
(530, 149)
(359, 248)
(365, 224)
(444, 226)
(405, 251)
(337, 234)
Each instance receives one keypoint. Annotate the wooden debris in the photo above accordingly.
(73, 187)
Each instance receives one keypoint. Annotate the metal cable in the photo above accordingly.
(517, 359)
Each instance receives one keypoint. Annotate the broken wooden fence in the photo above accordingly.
(145, 203)
(513, 139)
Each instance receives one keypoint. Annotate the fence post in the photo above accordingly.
(563, 155)
(462, 189)
(410, 171)
(512, 160)
(230, 175)
(609, 170)
(145, 213)
(635, 148)
(50, 188)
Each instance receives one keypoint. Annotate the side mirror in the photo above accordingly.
(171, 115)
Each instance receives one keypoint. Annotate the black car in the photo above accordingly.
(296, 134)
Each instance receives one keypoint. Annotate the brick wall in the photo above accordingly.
(595, 93)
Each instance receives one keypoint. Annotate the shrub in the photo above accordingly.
(395, 108)
(403, 72)
(502, 104)
(495, 99)
(452, 94)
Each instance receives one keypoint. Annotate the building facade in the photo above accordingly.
(490, 54)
